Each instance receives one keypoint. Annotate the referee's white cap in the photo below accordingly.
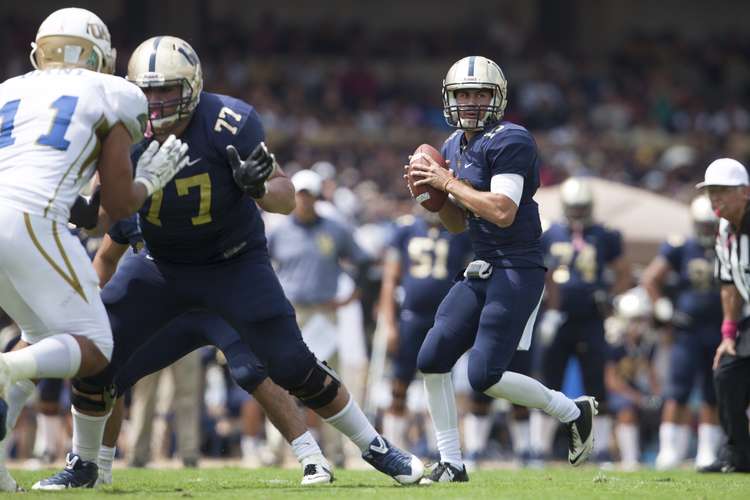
(724, 172)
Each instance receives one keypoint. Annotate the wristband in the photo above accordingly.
(728, 329)
(445, 186)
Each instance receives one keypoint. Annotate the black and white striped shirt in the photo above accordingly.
(733, 256)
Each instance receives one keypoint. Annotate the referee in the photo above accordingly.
(726, 182)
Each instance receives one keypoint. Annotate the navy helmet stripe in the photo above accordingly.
(471, 65)
(152, 59)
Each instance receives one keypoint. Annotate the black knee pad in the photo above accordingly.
(91, 396)
(315, 392)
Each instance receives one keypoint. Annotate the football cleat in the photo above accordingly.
(316, 470)
(581, 431)
(401, 466)
(76, 474)
(445, 472)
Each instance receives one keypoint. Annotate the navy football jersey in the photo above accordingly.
(697, 300)
(201, 215)
(127, 232)
(505, 148)
(578, 266)
(430, 257)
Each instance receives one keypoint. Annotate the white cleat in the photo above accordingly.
(316, 470)
(581, 431)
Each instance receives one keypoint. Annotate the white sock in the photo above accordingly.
(627, 442)
(441, 400)
(395, 427)
(519, 431)
(48, 429)
(526, 391)
(602, 434)
(87, 435)
(305, 446)
(58, 356)
(18, 393)
(682, 441)
(476, 432)
(352, 423)
(106, 457)
(249, 446)
(709, 439)
(542, 432)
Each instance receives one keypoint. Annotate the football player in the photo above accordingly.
(207, 252)
(631, 380)
(189, 333)
(61, 123)
(491, 312)
(422, 259)
(695, 318)
(577, 252)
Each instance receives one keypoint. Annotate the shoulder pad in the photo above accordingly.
(675, 240)
(125, 103)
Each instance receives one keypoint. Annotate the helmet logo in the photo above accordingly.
(98, 31)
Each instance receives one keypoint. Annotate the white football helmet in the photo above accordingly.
(705, 221)
(165, 61)
(633, 304)
(474, 72)
(577, 200)
(73, 38)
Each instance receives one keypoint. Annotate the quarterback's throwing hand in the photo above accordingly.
(157, 165)
(252, 173)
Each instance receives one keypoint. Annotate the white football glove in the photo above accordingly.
(157, 165)
(663, 309)
(551, 321)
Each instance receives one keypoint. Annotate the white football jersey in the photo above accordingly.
(53, 125)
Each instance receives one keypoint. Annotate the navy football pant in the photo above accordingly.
(488, 317)
(144, 296)
(691, 360)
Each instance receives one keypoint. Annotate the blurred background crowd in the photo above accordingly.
(645, 94)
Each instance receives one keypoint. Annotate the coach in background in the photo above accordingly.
(727, 186)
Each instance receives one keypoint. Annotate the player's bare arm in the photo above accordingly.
(279, 197)
(106, 259)
(387, 302)
(621, 268)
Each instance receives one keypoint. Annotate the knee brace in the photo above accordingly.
(315, 392)
(92, 397)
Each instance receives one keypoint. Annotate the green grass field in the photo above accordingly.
(553, 483)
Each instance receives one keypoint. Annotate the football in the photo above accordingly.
(430, 198)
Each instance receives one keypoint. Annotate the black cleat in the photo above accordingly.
(76, 474)
(581, 431)
(444, 472)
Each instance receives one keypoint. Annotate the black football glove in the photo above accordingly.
(85, 211)
(251, 174)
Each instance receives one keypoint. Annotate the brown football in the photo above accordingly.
(431, 199)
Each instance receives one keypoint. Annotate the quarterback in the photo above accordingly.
(491, 311)
(62, 123)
